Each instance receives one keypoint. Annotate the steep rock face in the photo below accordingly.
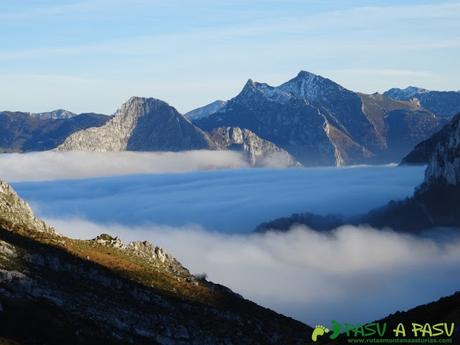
(56, 290)
(22, 132)
(258, 151)
(444, 164)
(424, 150)
(321, 123)
(440, 103)
(205, 111)
(141, 124)
(16, 213)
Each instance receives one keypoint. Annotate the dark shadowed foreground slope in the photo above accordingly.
(56, 290)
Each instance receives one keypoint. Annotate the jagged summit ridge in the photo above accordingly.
(141, 124)
(305, 86)
(319, 122)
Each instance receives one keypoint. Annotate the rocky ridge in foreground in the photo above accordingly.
(56, 290)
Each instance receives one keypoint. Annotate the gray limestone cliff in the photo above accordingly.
(258, 151)
(16, 213)
(141, 124)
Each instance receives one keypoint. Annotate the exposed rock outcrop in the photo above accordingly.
(258, 151)
(141, 124)
(147, 251)
(15, 213)
(444, 164)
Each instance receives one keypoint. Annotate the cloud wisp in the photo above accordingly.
(312, 276)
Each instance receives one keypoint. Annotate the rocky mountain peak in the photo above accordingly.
(253, 92)
(141, 124)
(310, 87)
(136, 107)
(15, 213)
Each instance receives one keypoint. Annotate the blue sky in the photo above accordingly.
(92, 55)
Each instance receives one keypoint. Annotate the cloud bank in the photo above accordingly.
(225, 200)
(49, 165)
(314, 277)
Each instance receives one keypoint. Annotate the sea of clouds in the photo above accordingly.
(218, 198)
(202, 206)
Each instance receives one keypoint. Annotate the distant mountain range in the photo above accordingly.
(435, 203)
(311, 120)
(57, 114)
(22, 132)
(440, 103)
(321, 123)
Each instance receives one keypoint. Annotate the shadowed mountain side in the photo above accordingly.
(57, 290)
